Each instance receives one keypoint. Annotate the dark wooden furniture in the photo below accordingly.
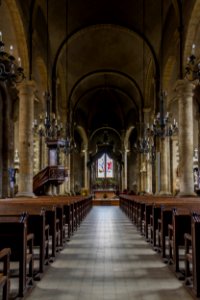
(14, 234)
(192, 257)
(5, 273)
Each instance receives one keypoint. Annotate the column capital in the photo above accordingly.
(184, 87)
(174, 138)
(146, 109)
(27, 87)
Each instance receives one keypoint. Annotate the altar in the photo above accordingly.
(104, 193)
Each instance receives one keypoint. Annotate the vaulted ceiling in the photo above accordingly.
(104, 57)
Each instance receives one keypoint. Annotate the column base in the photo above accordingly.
(26, 194)
(52, 190)
(183, 194)
(164, 193)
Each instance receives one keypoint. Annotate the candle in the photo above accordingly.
(0, 36)
(19, 62)
(11, 50)
(193, 49)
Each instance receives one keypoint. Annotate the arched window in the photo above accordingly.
(105, 167)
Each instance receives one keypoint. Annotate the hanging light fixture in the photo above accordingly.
(144, 143)
(161, 126)
(49, 126)
(192, 70)
(70, 144)
(9, 68)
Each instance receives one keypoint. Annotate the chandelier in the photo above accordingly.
(48, 126)
(9, 69)
(145, 142)
(161, 126)
(145, 145)
(70, 144)
(192, 70)
(142, 145)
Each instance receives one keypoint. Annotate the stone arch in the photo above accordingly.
(6, 141)
(193, 31)
(19, 29)
(83, 135)
(41, 79)
(126, 137)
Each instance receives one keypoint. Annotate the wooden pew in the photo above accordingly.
(134, 208)
(75, 209)
(5, 273)
(164, 214)
(172, 218)
(181, 224)
(66, 211)
(50, 211)
(13, 234)
(51, 217)
(36, 225)
(192, 257)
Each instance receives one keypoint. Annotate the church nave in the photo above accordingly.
(107, 258)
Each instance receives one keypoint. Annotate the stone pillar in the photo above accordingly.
(184, 91)
(71, 158)
(85, 167)
(175, 166)
(125, 170)
(67, 181)
(143, 175)
(26, 113)
(148, 180)
(164, 166)
(149, 175)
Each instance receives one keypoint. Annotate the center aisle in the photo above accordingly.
(108, 259)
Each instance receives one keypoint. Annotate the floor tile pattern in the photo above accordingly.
(107, 259)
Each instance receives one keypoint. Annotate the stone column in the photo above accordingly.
(175, 165)
(184, 91)
(85, 167)
(68, 179)
(71, 158)
(26, 113)
(125, 170)
(148, 180)
(143, 175)
(164, 166)
(149, 175)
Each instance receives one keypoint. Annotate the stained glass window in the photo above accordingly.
(101, 167)
(105, 167)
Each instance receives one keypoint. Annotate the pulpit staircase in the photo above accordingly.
(50, 175)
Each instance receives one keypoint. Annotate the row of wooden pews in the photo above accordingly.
(35, 230)
(172, 226)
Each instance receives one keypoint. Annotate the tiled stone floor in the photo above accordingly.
(108, 259)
